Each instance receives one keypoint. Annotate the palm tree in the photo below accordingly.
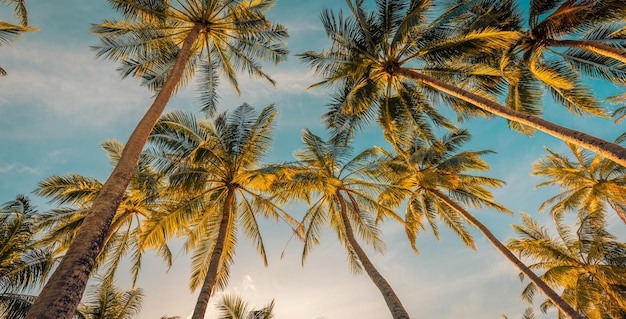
(139, 203)
(327, 175)
(588, 264)
(591, 31)
(24, 264)
(216, 186)
(164, 43)
(10, 32)
(375, 52)
(587, 182)
(105, 301)
(233, 307)
(434, 177)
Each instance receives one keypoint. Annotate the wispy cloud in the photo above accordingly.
(17, 168)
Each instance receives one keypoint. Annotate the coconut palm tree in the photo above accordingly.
(435, 178)
(163, 42)
(78, 193)
(588, 264)
(106, 301)
(24, 264)
(588, 182)
(216, 186)
(373, 52)
(10, 32)
(231, 306)
(592, 31)
(328, 175)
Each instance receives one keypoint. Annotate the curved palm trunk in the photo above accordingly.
(563, 306)
(392, 300)
(63, 291)
(601, 147)
(216, 256)
(593, 46)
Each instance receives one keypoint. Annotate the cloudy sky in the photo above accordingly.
(58, 103)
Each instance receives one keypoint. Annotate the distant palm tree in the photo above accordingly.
(233, 307)
(24, 264)
(378, 51)
(328, 175)
(435, 178)
(105, 301)
(216, 186)
(10, 32)
(164, 43)
(139, 203)
(588, 264)
(588, 182)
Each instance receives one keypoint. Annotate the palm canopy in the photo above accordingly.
(376, 53)
(106, 301)
(333, 180)
(369, 48)
(335, 184)
(24, 262)
(587, 263)
(588, 182)
(10, 32)
(234, 307)
(423, 170)
(230, 36)
(216, 184)
(77, 193)
(593, 33)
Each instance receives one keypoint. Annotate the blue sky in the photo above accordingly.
(58, 103)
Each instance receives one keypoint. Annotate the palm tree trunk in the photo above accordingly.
(216, 257)
(392, 300)
(593, 46)
(563, 306)
(601, 147)
(63, 291)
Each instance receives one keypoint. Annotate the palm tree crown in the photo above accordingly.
(587, 263)
(376, 53)
(588, 182)
(216, 186)
(327, 175)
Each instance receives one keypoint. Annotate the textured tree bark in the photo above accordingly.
(216, 257)
(63, 291)
(392, 300)
(601, 147)
(540, 284)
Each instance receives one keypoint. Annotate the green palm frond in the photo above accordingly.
(236, 37)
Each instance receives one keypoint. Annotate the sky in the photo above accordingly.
(59, 102)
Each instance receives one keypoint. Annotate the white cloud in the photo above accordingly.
(17, 168)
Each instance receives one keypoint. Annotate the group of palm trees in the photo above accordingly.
(396, 64)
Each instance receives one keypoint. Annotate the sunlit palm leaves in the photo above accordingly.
(234, 36)
(10, 32)
(233, 307)
(106, 301)
(77, 194)
(332, 181)
(24, 263)
(589, 264)
(588, 182)
(423, 170)
(370, 47)
(216, 186)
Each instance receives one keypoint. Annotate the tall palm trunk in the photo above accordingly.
(563, 306)
(216, 257)
(593, 46)
(392, 300)
(601, 147)
(63, 291)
